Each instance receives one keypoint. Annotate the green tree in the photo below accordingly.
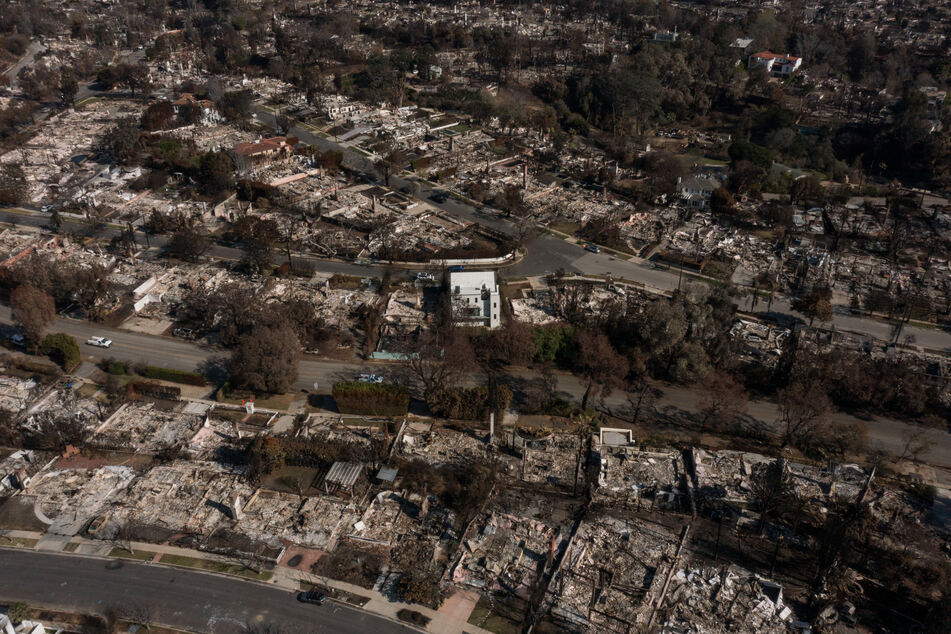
(265, 360)
(33, 311)
(187, 244)
(62, 349)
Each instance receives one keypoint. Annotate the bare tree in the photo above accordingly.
(438, 363)
(722, 401)
(602, 367)
(915, 441)
(803, 408)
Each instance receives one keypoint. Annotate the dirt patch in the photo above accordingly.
(17, 514)
(301, 558)
(351, 565)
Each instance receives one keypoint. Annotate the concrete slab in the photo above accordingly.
(283, 424)
(459, 605)
(52, 543)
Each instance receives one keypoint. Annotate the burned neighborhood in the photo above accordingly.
(475, 317)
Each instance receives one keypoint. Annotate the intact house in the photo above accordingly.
(204, 108)
(475, 298)
(776, 65)
(266, 148)
(695, 191)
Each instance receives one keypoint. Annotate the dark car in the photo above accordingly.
(456, 268)
(593, 248)
(312, 596)
(439, 197)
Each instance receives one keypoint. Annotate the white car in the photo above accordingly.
(99, 342)
(370, 378)
(423, 276)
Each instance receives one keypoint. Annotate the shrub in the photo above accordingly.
(156, 390)
(35, 366)
(116, 367)
(175, 376)
(371, 399)
(19, 611)
(469, 403)
(62, 349)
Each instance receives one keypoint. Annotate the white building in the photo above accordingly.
(695, 191)
(776, 65)
(475, 298)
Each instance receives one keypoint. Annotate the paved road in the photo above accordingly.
(883, 433)
(27, 60)
(180, 598)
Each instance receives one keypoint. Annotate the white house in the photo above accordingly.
(475, 298)
(696, 190)
(776, 65)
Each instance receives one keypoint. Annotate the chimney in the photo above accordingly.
(235, 508)
(524, 175)
(491, 427)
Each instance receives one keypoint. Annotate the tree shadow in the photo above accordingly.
(215, 369)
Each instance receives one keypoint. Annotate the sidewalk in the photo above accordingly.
(451, 618)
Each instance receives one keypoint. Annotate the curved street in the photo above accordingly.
(184, 599)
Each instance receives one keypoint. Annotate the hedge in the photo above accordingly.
(371, 399)
(467, 403)
(175, 376)
(62, 349)
(156, 390)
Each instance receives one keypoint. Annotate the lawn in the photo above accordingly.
(138, 555)
(87, 389)
(18, 542)
(216, 566)
(569, 228)
(274, 401)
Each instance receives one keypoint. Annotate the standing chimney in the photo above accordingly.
(235, 508)
(491, 427)
(524, 175)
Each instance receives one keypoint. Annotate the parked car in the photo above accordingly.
(311, 596)
(456, 268)
(17, 339)
(593, 248)
(46, 208)
(99, 342)
(439, 197)
(370, 378)
(423, 276)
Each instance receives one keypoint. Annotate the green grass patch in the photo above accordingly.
(137, 555)
(371, 399)
(86, 390)
(280, 402)
(175, 376)
(567, 228)
(216, 566)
